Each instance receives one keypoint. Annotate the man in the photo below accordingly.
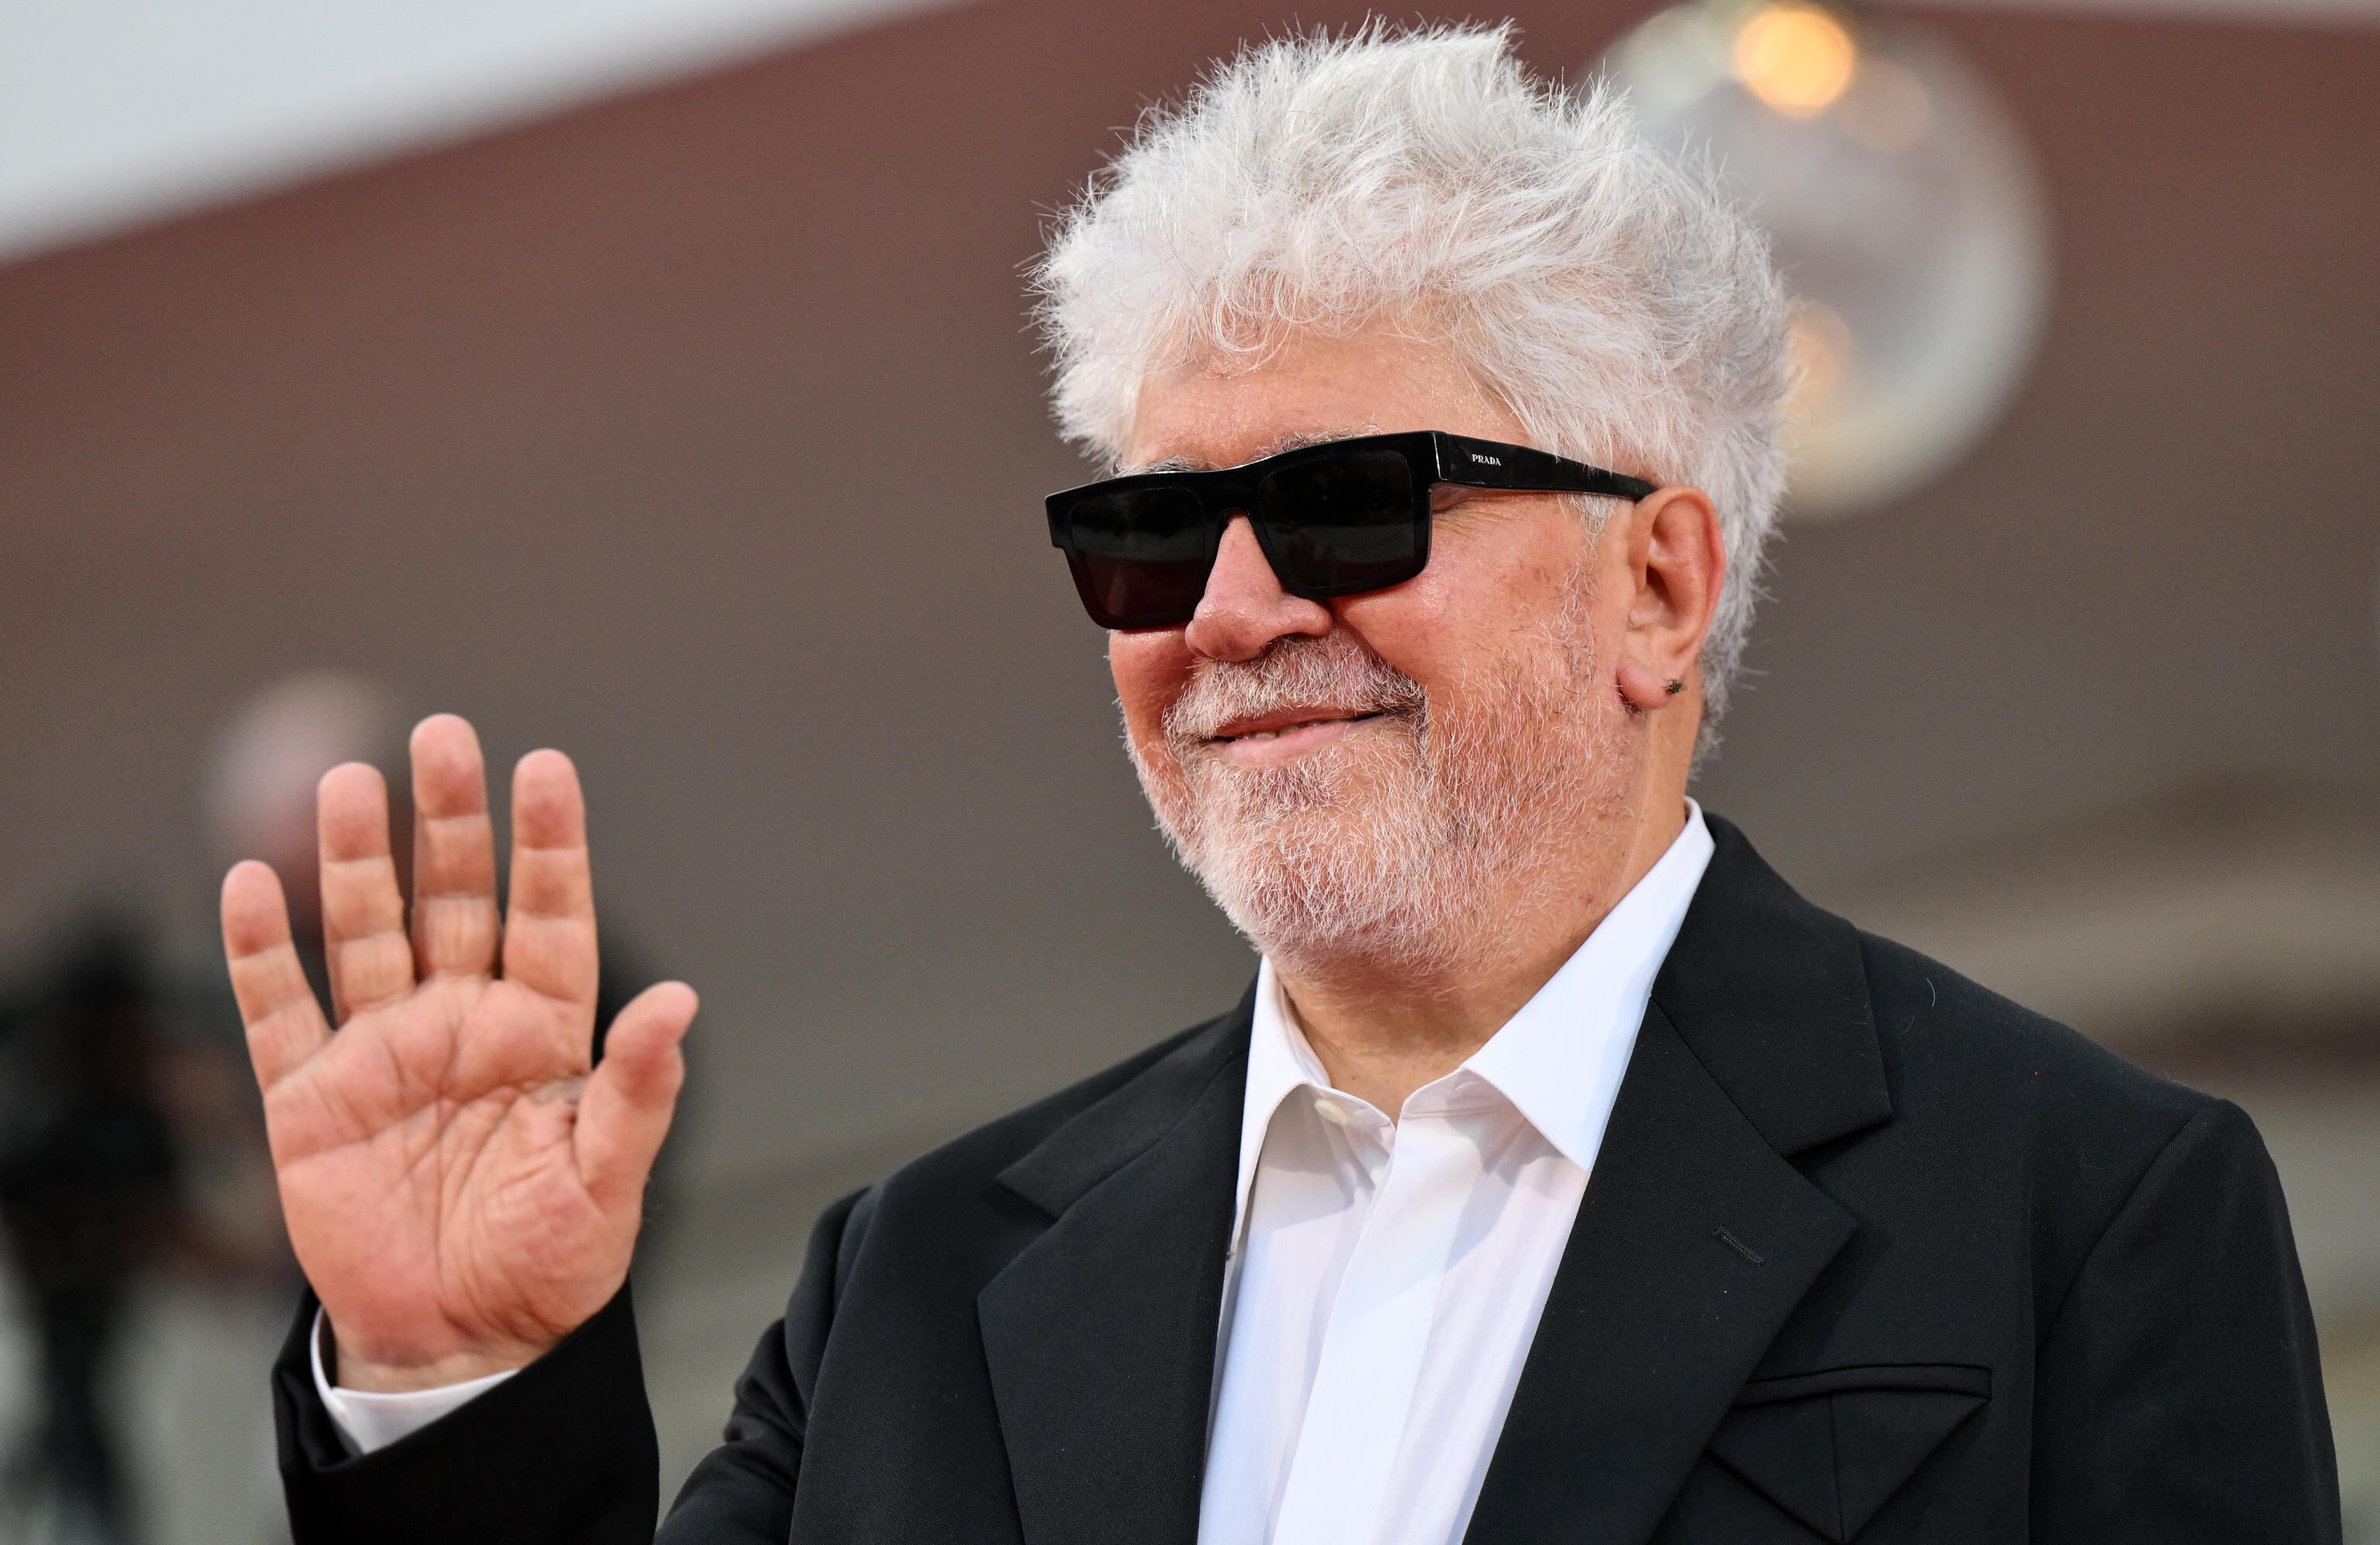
(92, 1197)
(1563, 1176)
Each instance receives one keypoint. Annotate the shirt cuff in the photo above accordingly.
(368, 1421)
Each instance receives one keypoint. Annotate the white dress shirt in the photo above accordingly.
(1386, 1277)
(369, 1420)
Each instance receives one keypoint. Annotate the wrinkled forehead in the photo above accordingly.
(1215, 412)
(1293, 440)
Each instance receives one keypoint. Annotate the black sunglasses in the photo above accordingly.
(1338, 519)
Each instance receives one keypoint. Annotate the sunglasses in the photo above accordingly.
(1338, 519)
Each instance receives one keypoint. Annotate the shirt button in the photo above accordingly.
(1332, 1111)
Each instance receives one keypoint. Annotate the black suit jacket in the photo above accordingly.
(1868, 1253)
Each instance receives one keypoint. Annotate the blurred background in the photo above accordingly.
(653, 380)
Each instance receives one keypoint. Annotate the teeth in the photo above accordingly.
(1263, 735)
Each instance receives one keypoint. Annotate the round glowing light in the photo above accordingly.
(1796, 58)
(1908, 220)
(1823, 352)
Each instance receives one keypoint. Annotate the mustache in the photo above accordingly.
(1334, 672)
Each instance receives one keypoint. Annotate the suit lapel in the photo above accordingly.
(1656, 1318)
(1100, 1334)
(1696, 1237)
(1695, 1241)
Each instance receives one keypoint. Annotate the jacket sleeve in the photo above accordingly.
(563, 1452)
(2179, 1392)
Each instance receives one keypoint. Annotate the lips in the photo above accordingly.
(1271, 726)
(1257, 729)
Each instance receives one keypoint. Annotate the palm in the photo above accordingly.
(460, 1189)
(428, 1183)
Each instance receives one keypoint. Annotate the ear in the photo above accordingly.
(1675, 561)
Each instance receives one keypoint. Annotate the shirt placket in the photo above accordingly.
(1424, 1170)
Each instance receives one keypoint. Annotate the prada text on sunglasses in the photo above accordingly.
(1333, 519)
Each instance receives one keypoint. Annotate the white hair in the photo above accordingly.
(1610, 296)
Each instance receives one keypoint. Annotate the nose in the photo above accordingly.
(1245, 608)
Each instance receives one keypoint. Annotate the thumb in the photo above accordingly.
(624, 1110)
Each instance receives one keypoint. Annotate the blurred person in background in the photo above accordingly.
(124, 1147)
(1444, 413)
(90, 1198)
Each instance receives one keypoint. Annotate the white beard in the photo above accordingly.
(1405, 844)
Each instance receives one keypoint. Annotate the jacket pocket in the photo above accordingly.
(1831, 1447)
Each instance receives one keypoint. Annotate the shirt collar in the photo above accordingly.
(1559, 1060)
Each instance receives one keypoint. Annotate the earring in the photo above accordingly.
(1674, 687)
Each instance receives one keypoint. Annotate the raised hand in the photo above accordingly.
(461, 1190)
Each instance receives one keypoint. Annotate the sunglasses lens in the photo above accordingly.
(1140, 556)
(1337, 525)
(1334, 524)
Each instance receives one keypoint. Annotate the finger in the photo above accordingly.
(626, 1110)
(549, 924)
(363, 914)
(455, 921)
(284, 1022)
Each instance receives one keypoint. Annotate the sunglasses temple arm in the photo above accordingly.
(1490, 464)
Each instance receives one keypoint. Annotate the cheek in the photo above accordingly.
(1468, 613)
(1440, 625)
(1410, 627)
(1150, 670)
